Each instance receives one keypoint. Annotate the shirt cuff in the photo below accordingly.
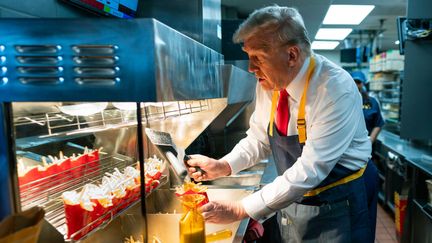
(235, 162)
(255, 207)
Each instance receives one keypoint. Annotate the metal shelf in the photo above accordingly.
(392, 101)
(384, 82)
(46, 192)
(390, 109)
(60, 124)
(387, 71)
(391, 90)
(424, 206)
(41, 192)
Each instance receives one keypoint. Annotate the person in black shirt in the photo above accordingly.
(371, 108)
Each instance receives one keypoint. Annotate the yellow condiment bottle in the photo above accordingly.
(192, 225)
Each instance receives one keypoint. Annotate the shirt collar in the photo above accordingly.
(295, 88)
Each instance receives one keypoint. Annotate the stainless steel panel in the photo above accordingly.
(154, 62)
(239, 85)
(185, 69)
(186, 128)
(239, 88)
(231, 124)
(198, 19)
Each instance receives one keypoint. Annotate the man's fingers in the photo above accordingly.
(207, 207)
(197, 177)
(209, 217)
(197, 156)
(196, 174)
(194, 162)
(191, 170)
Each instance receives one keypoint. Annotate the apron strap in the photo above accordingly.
(344, 180)
(301, 122)
(272, 113)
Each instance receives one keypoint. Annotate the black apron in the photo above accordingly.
(339, 214)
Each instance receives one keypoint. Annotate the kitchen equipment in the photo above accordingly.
(174, 155)
(155, 78)
(70, 61)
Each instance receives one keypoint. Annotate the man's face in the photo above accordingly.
(269, 66)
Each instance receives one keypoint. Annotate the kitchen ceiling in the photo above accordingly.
(313, 12)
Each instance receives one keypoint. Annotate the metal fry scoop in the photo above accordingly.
(174, 155)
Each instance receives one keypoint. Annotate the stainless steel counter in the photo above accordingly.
(404, 147)
(419, 156)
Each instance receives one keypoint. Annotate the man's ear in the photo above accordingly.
(293, 53)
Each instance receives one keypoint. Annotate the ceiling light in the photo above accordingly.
(397, 42)
(324, 45)
(347, 14)
(332, 33)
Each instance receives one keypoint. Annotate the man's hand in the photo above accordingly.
(212, 168)
(223, 212)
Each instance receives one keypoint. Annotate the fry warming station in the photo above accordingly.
(76, 95)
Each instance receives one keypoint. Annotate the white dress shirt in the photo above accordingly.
(336, 133)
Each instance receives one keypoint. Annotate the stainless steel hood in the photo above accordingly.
(103, 59)
(239, 85)
(239, 88)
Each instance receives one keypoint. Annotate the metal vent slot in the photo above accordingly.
(95, 49)
(96, 71)
(97, 81)
(95, 60)
(39, 60)
(40, 70)
(38, 49)
(41, 80)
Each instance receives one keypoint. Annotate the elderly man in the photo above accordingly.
(309, 115)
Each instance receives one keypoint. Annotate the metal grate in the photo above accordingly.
(47, 192)
(57, 123)
(41, 192)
